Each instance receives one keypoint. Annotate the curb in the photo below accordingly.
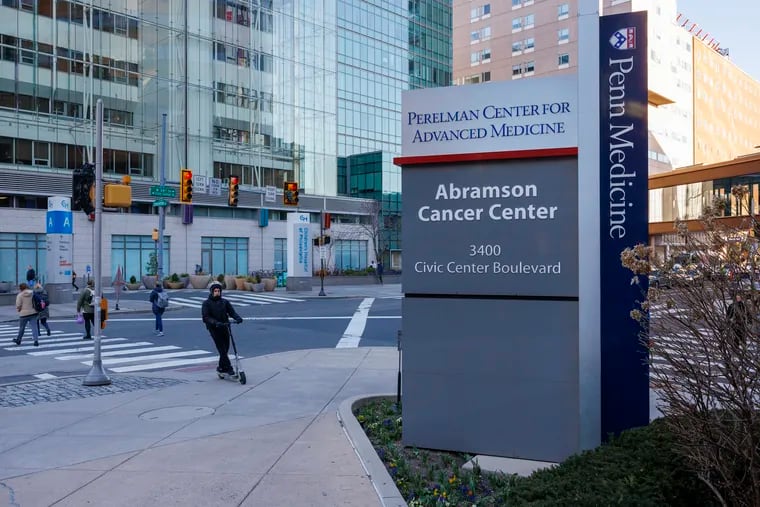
(378, 475)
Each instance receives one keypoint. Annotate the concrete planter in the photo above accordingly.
(149, 282)
(133, 286)
(176, 285)
(229, 282)
(269, 284)
(199, 281)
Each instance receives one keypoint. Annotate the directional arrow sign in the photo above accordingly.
(160, 202)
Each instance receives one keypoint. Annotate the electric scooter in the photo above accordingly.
(238, 375)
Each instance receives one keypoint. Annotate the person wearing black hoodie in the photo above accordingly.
(216, 312)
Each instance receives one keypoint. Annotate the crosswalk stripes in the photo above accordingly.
(238, 299)
(116, 353)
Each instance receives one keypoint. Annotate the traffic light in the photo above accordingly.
(290, 193)
(232, 200)
(186, 186)
(83, 189)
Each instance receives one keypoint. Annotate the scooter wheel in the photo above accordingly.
(241, 377)
(221, 376)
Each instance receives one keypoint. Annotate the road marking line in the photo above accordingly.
(169, 355)
(355, 329)
(45, 376)
(164, 364)
(119, 352)
(89, 348)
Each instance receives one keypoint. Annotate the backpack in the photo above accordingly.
(162, 299)
(39, 302)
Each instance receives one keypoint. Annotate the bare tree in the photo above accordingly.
(703, 347)
(374, 226)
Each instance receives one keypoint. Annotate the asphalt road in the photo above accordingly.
(277, 324)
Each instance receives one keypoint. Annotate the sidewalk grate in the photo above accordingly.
(70, 388)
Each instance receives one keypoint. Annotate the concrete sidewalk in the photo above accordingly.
(184, 437)
(187, 438)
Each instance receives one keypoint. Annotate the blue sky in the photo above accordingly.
(734, 23)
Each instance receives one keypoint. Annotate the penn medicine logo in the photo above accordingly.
(624, 38)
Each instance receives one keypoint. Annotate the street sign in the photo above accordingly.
(215, 186)
(161, 191)
(271, 193)
(160, 202)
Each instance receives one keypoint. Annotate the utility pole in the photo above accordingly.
(322, 252)
(97, 376)
(161, 209)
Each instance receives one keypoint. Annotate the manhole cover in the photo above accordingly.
(176, 413)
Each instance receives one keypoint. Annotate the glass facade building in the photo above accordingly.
(265, 90)
(384, 48)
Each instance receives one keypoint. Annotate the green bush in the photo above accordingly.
(638, 468)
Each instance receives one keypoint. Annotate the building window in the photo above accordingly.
(516, 24)
(563, 11)
(133, 254)
(350, 255)
(563, 35)
(19, 250)
(517, 47)
(530, 44)
(480, 11)
(530, 67)
(516, 4)
(563, 60)
(280, 254)
(529, 21)
(516, 71)
(224, 255)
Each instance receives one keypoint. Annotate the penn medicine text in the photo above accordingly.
(620, 175)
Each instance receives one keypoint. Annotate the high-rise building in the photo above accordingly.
(410, 48)
(702, 108)
(262, 90)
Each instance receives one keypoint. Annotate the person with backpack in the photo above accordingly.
(41, 303)
(86, 308)
(26, 313)
(31, 276)
(160, 300)
(216, 312)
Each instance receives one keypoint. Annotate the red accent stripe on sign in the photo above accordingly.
(493, 155)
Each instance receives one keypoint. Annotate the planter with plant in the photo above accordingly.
(185, 279)
(133, 285)
(173, 282)
(151, 268)
(240, 282)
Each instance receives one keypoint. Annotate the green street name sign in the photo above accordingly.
(160, 202)
(159, 191)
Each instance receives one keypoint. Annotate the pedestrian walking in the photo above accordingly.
(216, 312)
(74, 280)
(42, 302)
(739, 318)
(31, 276)
(380, 271)
(86, 308)
(26, 313)
(159, 301)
